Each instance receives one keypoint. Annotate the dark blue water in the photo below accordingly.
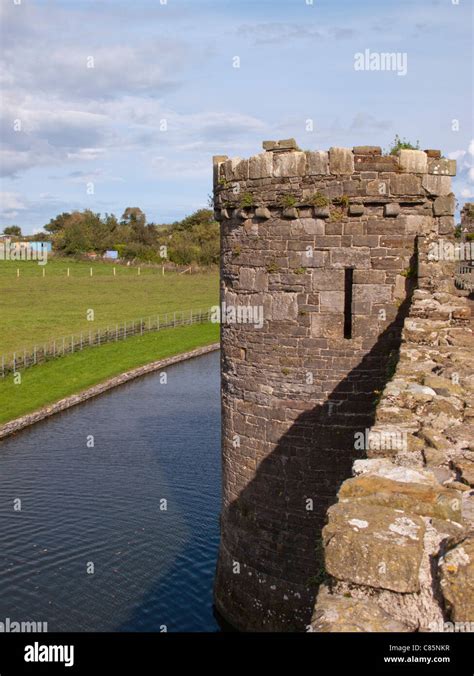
(98, 509)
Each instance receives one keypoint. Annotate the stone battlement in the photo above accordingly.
(284, 176)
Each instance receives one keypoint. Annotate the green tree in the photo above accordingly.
(56, 224)
(12, 231)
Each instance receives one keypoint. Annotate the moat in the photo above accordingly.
(121, 535)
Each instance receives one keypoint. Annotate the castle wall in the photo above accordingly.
(324, 246)
(399, 543)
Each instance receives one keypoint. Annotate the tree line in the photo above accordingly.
(194, 239)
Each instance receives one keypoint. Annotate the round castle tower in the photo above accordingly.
(319, 252)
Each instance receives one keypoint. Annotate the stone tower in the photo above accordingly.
(318, 259)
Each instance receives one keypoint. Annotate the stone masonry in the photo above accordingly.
(399, 543)
(326, 244)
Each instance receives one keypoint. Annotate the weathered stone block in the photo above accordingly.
(417, 225)
(367, 150)
(217, 160)
(331, 301)
(327, 325)
(444, 206)
(317, 163)
(376, 187)
(283, 306)
(442, 167)
(345, 614)
(436, 185)
(434, 154)
(269, 145)
(312, 226)
(391, 210)
(353, 258)
(457, 580)
(414, 498)
(374, 546)
(290, 212)
(369, 277)
(261, 166)
(356, 209)
(262, 212)
(289, 164)
(328, 280)
(287, 144)
(341, 161)
(305, 259)
(374, 163)
(405, 184)
(414, 161)
(446, 225)
(321, 212)
(253, 279)
(372, 293)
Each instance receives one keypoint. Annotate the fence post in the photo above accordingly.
(72, 344)
(91, 272)
(116, 332)
(3, 366)
(81, 340)
(54, 348)
(141, 327)
(174, 318)
(14, 362)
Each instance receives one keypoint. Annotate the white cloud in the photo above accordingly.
(11, 203)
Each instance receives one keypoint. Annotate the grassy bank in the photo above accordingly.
(44, 384)
(36, 309)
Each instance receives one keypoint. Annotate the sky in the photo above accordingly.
(108, 104)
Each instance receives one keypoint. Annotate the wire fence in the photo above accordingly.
(52, 349)
(464, 276)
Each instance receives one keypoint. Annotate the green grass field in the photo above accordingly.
(35, 309)
(47, 383)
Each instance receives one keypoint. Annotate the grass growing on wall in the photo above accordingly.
(47, 383)
(36, 309)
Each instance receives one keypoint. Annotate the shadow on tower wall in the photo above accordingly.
(269, 528)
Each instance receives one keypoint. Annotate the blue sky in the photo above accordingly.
(93, 137)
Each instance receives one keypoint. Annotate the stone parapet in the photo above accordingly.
(400, 539)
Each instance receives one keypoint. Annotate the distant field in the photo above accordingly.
(47, 383)
(35, 309)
